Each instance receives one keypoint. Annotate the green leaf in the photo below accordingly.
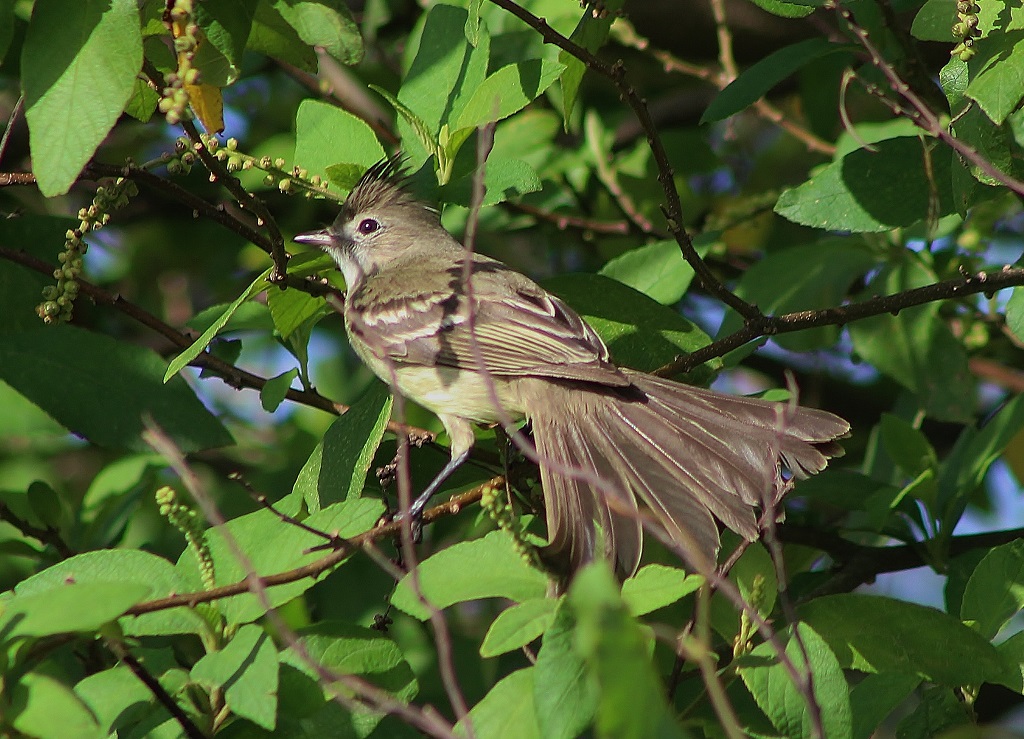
(993, 142)
(754, 574)
(875, 697)
(81, 56)
(182, 360)
(507, 711)
(129, 567)
(115, 696)
(591, 32)
(804, 277)
(784, 9)
(346, 649)
(755, 82)
(327, 24)
(964, 469)
(656, 586)
(518, 625)
(272, 35)
(784, 703)
(69, 608)
(142, 102)
(325, 135)
(995, 590)
(337, 468)
(246, 670)
(292, 308)
(876, 634)
(507, 91)
(276, 390)
(44, 708)
(504, 179)
(1015, 312)
(423, 134)
(657, 270)
(934, 21)
(639, 332)
(482, 568)
(444, 73)
(940, 709)
(904, 181)
(226, 25)
(273, 546)
(564, 693)
(997, 82)
(906, 445)
(101, 389)
(632, 697)
(916, 348)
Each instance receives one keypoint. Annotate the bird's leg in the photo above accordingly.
(460, 431)
(416, 509)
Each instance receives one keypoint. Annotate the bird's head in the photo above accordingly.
(378, 224)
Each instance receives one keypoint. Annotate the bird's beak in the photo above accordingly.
(320, 239)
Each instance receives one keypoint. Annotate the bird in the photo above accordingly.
(615, 446)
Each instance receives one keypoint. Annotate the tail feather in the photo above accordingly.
(687, 453)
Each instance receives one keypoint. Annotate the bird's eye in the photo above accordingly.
(368, 225)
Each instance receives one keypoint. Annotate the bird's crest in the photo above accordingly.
(382, 185)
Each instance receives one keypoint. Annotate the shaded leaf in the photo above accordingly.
(564, 693)
(101, 389)
(756, 81)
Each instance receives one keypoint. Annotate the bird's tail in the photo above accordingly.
(689, 455)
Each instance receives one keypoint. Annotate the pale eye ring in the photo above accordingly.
(368, 226)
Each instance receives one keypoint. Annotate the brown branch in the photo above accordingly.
(347, 547)
(981, 282)
(673, 208)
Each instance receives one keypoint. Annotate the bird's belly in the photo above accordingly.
(455, 392)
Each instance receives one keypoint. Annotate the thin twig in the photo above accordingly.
(120, 651)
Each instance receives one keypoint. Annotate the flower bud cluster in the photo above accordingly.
(58, 299)
(174, 99)
(187, 521)
(966, 29)
(286, 180)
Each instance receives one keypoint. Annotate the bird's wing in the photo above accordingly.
(515, 328)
